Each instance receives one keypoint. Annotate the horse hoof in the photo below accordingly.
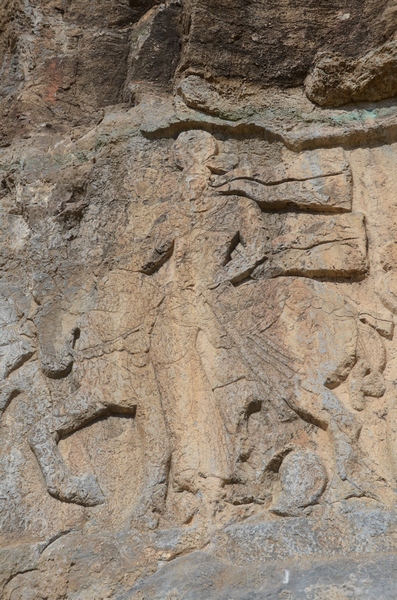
(89, 490)
(83, 490)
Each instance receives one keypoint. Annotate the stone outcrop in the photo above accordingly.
(335, 80)
(197, 300)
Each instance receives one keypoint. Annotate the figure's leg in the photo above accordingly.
(339, 415)
(152, 433)
(353, 465)
(345, 455)
(43, 440)
(323, 408)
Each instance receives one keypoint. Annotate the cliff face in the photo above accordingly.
(197, 299)
(64, 61)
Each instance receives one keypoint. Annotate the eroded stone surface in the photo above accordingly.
(334, 80)
(197, 304)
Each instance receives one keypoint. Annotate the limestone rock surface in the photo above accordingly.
(335, 80)
(198, 262)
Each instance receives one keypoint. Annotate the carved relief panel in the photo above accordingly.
(233, 330)
(254, 253)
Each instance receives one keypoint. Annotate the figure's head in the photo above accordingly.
(194, 148)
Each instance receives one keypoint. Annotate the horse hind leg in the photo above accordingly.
(352, 465)
(325, 410)
(43, 440)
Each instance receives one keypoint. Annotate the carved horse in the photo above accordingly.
(104, 363)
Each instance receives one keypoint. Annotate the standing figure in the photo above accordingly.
(184, 257)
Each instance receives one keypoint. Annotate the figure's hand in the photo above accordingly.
(158, 257)
(221, 180)
(221, 163)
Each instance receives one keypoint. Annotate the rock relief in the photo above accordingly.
(246, 250)
(233, 366)
(197, 299)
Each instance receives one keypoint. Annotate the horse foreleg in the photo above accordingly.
(43, 440)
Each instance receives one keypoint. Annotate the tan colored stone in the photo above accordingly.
(197, 302)
(335, 80)
(317, 246)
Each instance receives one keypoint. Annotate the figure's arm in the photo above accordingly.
(249, 246)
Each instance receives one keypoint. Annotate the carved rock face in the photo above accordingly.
(205, 341)
(197, 300)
